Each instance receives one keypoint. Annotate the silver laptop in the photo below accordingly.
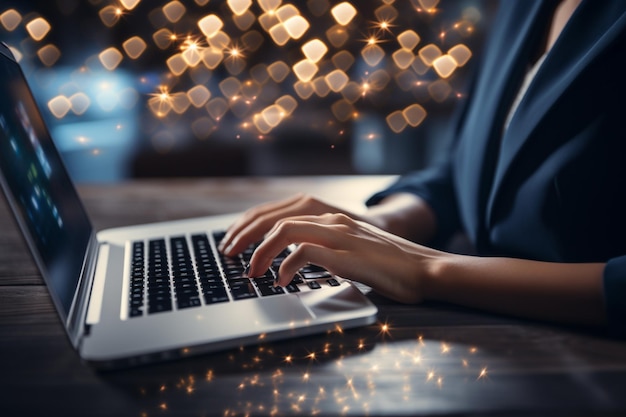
(142, 293)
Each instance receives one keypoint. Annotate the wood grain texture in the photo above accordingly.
(433, 358)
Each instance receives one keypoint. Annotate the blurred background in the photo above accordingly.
(161, 88)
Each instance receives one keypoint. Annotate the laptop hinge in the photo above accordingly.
(75, 325)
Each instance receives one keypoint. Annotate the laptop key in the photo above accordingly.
(333, 282)
(160, 307)
(314, 285)
(292, 288)
(241, 289)
(316, 275)
(187, 302)
(266, 286)
(217, 295)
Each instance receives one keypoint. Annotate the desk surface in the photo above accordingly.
(430, 359)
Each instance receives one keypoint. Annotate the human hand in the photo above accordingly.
(349, 248)
(252, 226)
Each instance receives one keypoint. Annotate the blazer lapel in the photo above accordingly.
(561, 67)
(517, 29)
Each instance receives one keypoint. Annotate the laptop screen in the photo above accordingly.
(39, 188)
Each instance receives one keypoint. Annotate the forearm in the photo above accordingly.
(565, 293)
(404, 215)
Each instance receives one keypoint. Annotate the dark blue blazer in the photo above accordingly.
(553, 185)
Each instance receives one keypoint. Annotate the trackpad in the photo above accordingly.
(280, 309)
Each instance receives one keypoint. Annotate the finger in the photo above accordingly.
(308, 253)
(326, 218)
(243, 222)
(294, 231)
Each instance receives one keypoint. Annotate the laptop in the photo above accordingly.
(144, 293)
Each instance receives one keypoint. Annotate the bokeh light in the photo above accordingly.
(253, 69)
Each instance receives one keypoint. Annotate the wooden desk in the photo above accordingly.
(433, 359)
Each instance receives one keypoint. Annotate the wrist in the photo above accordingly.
(438, 276)
(405, 215)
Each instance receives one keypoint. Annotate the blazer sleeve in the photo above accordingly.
(615, 295)
(435, 186)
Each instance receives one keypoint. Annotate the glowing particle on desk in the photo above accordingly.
(134, 47)
(10, 19)
(343, 13)
(210, 25)
(482, 374)
(38, 28)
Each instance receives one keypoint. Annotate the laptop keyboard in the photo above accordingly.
(180, 273)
